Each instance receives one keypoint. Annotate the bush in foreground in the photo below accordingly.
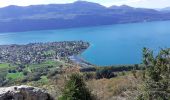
(157, 82)
(75, 89)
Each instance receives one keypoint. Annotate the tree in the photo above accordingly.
(157, 83)
(104, 73)
(75, 89)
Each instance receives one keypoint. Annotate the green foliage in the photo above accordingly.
(53, 72)
(104, 73)
(17, 75)
(4, 65)
(89, 75)
(134, 73)
(157, 83)
(3, 78)
(75, 89)
(44, 80)
(148, 58)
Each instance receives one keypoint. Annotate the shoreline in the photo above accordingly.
(79, 60)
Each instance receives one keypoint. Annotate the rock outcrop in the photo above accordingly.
(23, 93)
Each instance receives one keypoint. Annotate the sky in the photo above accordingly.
(133, 3)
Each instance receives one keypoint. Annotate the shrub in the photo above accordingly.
(75, 89)
(25, 72)
(13, 71)
(9, 71)
(157, 84)
(2, 78)
(134, 73)
(32, 77)
(90, 69)
(104, 73)
(53, 73)
(89, 75)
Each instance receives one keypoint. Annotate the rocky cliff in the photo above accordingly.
(23, 93)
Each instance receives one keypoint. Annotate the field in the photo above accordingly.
(13, 74)
(17, 75)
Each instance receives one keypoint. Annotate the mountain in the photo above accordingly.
(124, 7)
(77, 14)
(78, 7)
(167, 9)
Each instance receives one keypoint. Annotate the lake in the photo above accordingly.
(110, 44)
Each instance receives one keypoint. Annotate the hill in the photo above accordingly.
(167, 9)
(77, 14)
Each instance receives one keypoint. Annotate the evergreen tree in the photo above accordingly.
(75, 89)
(157, 84)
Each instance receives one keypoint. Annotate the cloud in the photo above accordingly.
(151, 3)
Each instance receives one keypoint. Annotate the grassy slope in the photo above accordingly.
(122, 86)
(5, 67)
(17, 75)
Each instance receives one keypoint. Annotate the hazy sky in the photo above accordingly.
(134, 3)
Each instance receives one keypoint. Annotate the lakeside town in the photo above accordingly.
(39, 52)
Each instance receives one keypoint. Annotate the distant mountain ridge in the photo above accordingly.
(77, 14)
(166, 9)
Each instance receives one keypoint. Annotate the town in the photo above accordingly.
(39, 52)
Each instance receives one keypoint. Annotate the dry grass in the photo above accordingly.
(56, 84)
(119, 88)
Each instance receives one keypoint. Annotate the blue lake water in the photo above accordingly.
(112, 44)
